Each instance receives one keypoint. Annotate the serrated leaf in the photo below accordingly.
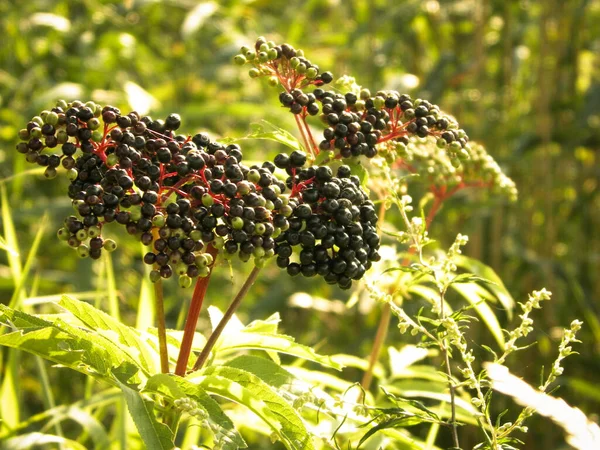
(478, 268)
(249, 390)
(156, 435)
(267, 130)
(265, 369)
(248, 340)
(176, 387)
(128, 337)
(65, 344)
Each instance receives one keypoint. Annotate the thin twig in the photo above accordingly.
(226, 317)
(384, 324)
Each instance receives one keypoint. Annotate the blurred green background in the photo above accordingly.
(522, 77)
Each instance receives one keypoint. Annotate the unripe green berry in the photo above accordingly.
(83, 251)
(62, 137)
(93, 123)
(237, 223)
(263, 57)
(81, 235)
(23, 134)
(158, 220)
(109, 245)
(207, 200)
(62, 104)
(311, 73)
(365, 94)
(301, 68)
(273, 81)
(97, 136)
(72, 174)
(379, 102)
(196, 235)
(63, 234)
(185, 281)
(181, 269)
(94, 231)
(294, 62)
(240, 60)
(52, 118)
(38, 120)
(154, 276)
(272, 54)
(441, 143)
(50, 173)
(260, 229)
(254, 73)
(36, 132)
(253, 176)
(112, 160)
(250, 55)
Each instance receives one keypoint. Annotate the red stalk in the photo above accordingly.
(192, 318)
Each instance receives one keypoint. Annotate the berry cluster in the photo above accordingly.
(437, 170)
(333, 222)
(186, 196)
(357, 124)
(282, 64)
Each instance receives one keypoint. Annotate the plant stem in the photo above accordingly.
(226, 317)
(384, 324)
(303, 134)
(444, 349)
(162, 327)
(192, 318)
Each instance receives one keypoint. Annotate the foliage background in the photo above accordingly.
(522, 77)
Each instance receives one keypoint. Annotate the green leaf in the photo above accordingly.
(267, 130)
(473, 294)
(469, 278)
(480, 269)
(249, 390)
(265, 369)
(414, 403)
(156, 435)
(280, 343)
(404, 421)
(40, 440)
(65, 344)
(175, 387)
(128, 337)
(262, 335)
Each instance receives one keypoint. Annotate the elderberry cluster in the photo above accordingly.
(281, 62)
(357, 124)
(187, 197)
(333, 223)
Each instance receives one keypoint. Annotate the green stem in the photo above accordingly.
(162, 327)
(226, 317)
(191, 320)
(384, 324)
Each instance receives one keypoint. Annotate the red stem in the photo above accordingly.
(192, 318)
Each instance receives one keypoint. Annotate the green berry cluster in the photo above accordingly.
(282, 64)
